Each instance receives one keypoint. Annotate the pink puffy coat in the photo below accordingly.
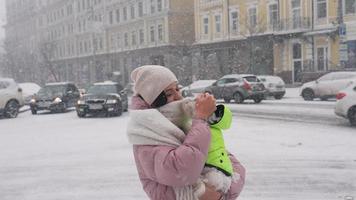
(161, 167)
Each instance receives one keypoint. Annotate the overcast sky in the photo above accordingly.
(2, 18)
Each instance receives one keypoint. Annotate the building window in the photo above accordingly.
(350, 7)
(124, 13)
(126, 40)
(117, 15)
(133, 12)
(252, 12)
(152, 33)
(111, 17)
(351, 52)
(234, 20)
(322, 58)
(140, 9)
(101, 43)
(153, 6)
(296, 9)
(118, 39)
(160, 32)
(85, 46)
(206, 25)
(273, 16)
(142, 36)
(159, 5)
(218, 23)
(321, 8)
(133, 38)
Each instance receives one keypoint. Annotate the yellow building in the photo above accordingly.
(303, 34)
(233, 36)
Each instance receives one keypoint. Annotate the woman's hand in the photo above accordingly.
(210, 193)
(204, 106)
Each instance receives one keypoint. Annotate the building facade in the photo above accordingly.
(321, 38)
(298, 40)
(86, 41)
(232, 37)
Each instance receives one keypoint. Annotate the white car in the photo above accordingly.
(11, 98)
(346, 104)
(196, 87)
(28, 91)
(274, 85)
(327, 86)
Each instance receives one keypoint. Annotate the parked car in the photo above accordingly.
(105, 97)
(238, 87)
(55, 97)
(327, 86)
(274, 85)
(346, 104)
(196, 87)
(11, 98)
(28, 91)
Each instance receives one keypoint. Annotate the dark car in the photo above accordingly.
(238, 87)
(106, 97)
(56, 97)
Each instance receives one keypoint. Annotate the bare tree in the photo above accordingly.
(47, 50)
(252, 53)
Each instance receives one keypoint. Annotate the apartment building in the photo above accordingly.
(232, 37)
(296, 39)
(94, 40)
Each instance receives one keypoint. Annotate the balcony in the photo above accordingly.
(205, 4)
(293, 25)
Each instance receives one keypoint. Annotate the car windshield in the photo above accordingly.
(102, 89)
(51, 91)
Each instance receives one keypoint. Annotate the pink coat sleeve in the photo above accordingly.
(236, 187)
(182, 165)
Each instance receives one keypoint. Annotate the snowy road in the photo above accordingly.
(292, 150)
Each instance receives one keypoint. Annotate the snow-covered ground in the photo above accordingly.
(62, 157)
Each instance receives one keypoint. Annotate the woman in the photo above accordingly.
(169, 161)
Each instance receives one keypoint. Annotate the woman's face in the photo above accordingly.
(172, 93)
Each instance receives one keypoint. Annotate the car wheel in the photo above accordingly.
(81, 114)
(12, 109)
(33, 111)
(119, 111)
(308, 95)
(257, 99)
(278, 96)
(238, 98)
(126, 107)
(352, 116)
(227, 100)
(324, 98)
(64, 109)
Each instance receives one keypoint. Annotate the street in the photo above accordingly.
(291, 150)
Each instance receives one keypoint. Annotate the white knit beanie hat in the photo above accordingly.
(151, 80)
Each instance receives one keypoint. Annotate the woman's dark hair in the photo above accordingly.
(161, 100)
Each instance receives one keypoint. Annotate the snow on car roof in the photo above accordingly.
(106, 83)
(7, 79)
(200, 83)
(270, 77)
(237, 75)
(57, 83)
